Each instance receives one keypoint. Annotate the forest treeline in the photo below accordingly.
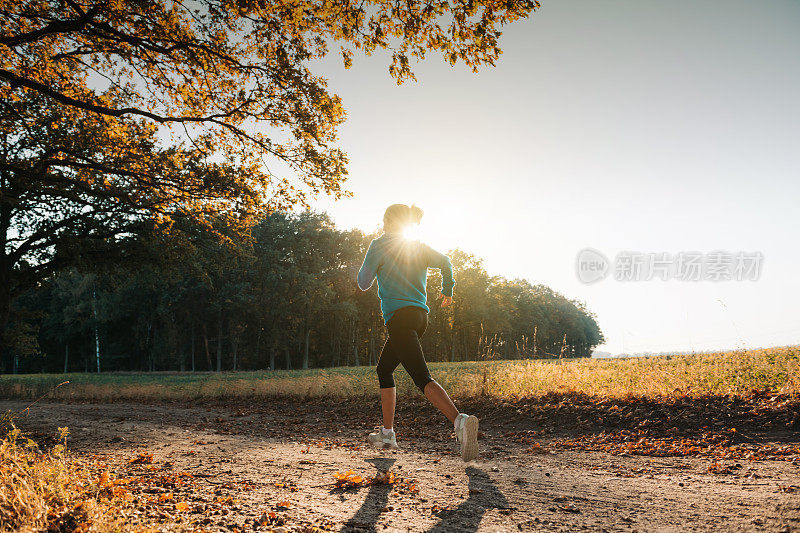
(128, 132)
(282, 295)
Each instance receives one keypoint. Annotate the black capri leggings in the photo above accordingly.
(406, 327)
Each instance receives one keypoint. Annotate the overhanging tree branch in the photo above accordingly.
(19, 81)
(56, 27)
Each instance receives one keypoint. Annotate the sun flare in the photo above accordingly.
(430, 234)
(442, 230)
(413, 233)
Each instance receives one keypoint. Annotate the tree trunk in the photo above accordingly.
(152, 350)
(354, 340)
(219, 341)
(235, 345)
(208, 352)
(272, 358)
(182, 362)
(96, 332)
(149, 354)
(288, 359)
(258, 343)
(66, 357)
(192, 345)
(355, 351)
(6, 268)
(332, 343)
(305, 349)
(5, 309)
(371, 347)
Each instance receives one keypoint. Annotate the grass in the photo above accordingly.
(722, 373)
(52, 489)
(48, 491)
(56, 491)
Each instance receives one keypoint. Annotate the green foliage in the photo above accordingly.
(117, 119)
(283, 296)
(75, 187)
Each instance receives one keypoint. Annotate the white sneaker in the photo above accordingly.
(379, 439)
(467, 435)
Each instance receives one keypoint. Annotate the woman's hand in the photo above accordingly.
(446, 300)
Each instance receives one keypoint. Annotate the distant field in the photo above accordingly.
(727, 373)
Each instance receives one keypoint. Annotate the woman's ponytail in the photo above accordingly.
(415, 214)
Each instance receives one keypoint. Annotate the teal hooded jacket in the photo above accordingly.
(401, 267)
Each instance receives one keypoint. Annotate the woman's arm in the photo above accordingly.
(369, 269)
(442, 262)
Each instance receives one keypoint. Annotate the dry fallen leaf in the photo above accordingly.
(141, 459)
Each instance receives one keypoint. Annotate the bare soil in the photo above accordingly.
(274, 463)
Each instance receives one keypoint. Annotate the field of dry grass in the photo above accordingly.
(724, 373)
(49, 490)
(722, 408)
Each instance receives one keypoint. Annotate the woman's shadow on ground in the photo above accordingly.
(483, 495)
(377, 499)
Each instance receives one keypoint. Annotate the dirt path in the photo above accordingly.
(283, 459)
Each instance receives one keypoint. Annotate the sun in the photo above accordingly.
(413, 233)
(439, 236)
(444, 228)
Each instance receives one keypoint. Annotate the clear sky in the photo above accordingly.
(645, 126)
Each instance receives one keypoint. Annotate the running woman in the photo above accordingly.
(401, 266)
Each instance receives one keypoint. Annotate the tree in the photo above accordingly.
(286, 289)
(237, 68)
(181, 66)
(86, 85)
(73, 183)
